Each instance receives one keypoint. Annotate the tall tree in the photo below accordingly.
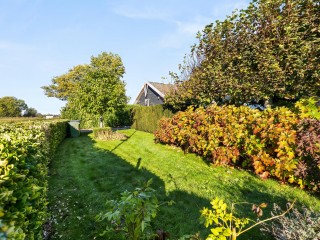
(31, 112)
(66, 85)
(267, 52)
(93, 89)
(11, 107)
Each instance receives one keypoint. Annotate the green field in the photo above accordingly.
(85, 173)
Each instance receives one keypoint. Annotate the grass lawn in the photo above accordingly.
(85, 173)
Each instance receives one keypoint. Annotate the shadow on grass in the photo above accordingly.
(123, 141)
(82, 177)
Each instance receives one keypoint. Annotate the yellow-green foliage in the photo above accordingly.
(266, 141)
(309, 108)
(226, 225)
(25, 151)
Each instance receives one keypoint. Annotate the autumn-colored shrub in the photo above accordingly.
(274, 142)
(271, 143)
(212, 132)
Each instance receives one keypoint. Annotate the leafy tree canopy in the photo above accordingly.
(31, 112)
(11, 107)
(66, 85)
(265, 53)
(91, 89)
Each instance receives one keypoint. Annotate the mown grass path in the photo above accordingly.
(85, 173)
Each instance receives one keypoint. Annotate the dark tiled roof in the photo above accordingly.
(162, 87)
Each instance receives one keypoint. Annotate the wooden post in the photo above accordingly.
(101, 122)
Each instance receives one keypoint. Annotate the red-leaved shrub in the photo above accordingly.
(274, 142)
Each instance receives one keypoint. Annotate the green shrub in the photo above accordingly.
(120, 118)
(25, 151)
(131, 215)
(146, 118)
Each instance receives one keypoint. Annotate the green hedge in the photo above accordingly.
(147, 118)
(25, 151)
(274, 142)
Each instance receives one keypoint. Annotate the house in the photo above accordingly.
(49, 116)
(152, 93)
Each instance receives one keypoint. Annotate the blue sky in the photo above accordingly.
(40, 39)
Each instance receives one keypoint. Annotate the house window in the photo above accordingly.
(147, 102)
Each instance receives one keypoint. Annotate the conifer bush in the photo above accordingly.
(146, 118)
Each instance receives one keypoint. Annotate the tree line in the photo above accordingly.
(14, 107)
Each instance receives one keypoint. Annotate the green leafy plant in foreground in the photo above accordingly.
(132, 214)
(227, 225)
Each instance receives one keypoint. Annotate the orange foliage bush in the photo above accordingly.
(265, 141)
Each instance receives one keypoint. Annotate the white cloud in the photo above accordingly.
(173, 40)
(184, 32)
(4, 46)
(7, 45)
(189, 28)
(176, 32)
(16, 54)
(184, 27)
(14, 46)
(144, 12)
(195, 25)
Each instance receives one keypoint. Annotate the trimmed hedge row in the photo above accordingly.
(25, 151)
(274, 142)
(146, 118)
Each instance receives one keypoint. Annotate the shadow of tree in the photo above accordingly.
(123, 141)
(84, 176)
(179, 219)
